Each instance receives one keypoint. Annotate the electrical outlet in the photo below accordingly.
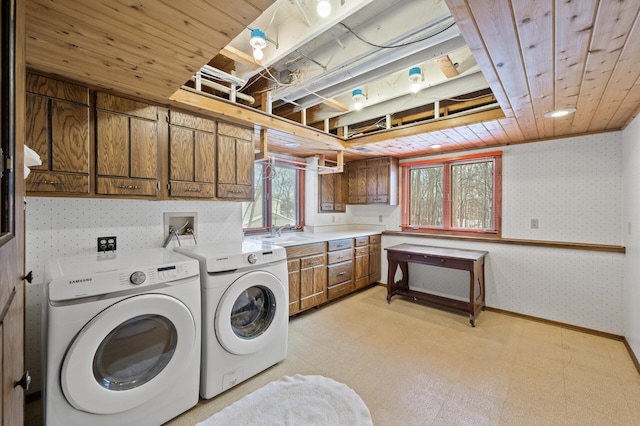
(534, 223)
(106, 244)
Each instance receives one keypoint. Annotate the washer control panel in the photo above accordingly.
(117, 280)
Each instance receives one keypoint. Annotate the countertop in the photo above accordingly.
(290, 239)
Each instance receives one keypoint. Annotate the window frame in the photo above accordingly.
(447, 163)
(267, 202)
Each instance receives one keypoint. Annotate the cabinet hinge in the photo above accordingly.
(9, 165)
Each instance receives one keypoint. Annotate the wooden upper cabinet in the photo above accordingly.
(57, 128)
(192, 156)
(127, 147)
(235, 162)
(373, 181)
(332, 188)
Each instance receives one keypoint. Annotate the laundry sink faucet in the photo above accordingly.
(276, 231)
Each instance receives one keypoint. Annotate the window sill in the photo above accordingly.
(514, 241)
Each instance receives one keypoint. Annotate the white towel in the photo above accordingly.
(31, 158)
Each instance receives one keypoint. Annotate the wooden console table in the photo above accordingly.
(466, 260)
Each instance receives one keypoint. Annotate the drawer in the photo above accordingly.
(339, 290)
(377, 199)
(305, 250)
(340, 273)
(119, 186)
(339, 256)
(293, 265)
(340, 244)
(310, 262)
(362, 241)
(326, 207)
(192, 190)
(362, 251)
(57, 182)
(234, 191)
(374, 239)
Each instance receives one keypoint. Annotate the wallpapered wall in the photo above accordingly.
(631, 293)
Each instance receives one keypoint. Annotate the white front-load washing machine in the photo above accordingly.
(245, 308)
(121, 338)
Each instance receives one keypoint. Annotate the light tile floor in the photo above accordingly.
(416, 365)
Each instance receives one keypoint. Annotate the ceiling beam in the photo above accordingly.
(410, 130)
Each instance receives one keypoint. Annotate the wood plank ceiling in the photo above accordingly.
(537, 56)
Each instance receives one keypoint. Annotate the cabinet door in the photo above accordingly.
(341, 182)
(375, 262)
(333, 192)
(361, 266)
(181, 153)
(357, 182)
(313, 284)
(144, 148)
(235, 168)
(378, 181)
(113, 144)
(58, 130)
(293, 267)
(327, 187)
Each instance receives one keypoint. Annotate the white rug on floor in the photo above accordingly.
(296, 400)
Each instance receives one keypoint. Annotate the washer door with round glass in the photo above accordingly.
(250, 313)
(128, 354)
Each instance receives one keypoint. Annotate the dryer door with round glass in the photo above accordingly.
(139, 345)
(250, 312)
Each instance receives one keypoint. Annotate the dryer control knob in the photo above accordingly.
(137, 278)
(252, 258)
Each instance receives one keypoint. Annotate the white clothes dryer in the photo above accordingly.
(121, 338)
(245, 308)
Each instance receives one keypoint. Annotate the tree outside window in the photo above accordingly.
(454, 195)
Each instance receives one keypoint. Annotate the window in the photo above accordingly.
(278, 197)
(453, 195)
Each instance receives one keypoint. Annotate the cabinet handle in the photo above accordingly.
(128, 187)
(194, 190)
(48, 182)
(342, 273)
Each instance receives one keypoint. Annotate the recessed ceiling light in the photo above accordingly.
(560, 113)
(436, 146)
(292, 145)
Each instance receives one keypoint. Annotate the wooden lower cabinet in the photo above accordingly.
(307, 276)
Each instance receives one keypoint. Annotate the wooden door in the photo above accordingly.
(12, 191)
